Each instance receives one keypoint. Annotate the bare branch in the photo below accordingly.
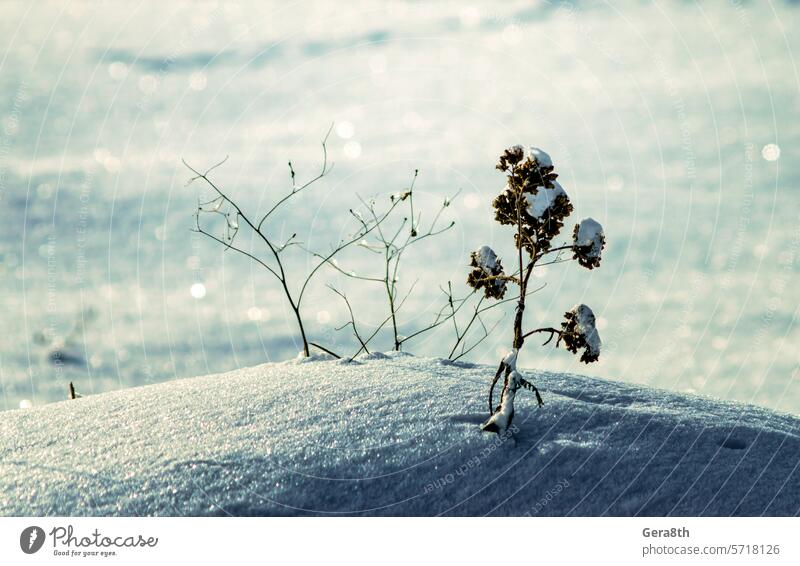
(486, 333)
(558, 249)
(325, 260)
(228, 245)
(203, 175)
(352, 317)
(350, 274)
(295, 189)
(552, 331)
(334, 354)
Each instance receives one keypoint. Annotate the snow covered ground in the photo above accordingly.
(395, 435)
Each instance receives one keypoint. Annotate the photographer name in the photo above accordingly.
(674, 532)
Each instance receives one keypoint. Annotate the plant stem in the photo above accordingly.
(519, 337)
(390, 295)
(299, 318)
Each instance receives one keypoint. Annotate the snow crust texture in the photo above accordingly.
(395, 435)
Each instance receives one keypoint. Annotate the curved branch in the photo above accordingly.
(242, 215)
(551, 250)
(334, 354)
(342, 245)
(352, 317)
(349, 274)
(325, 170)
(234, 248)
(552, 331)
(497, 375)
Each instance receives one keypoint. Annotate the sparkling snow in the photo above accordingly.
(394, 435)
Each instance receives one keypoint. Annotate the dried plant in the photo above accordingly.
(389, 241)
(536, 205)
(272, 256)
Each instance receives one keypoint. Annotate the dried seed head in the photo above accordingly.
(511, 157)
(532, 198)
(580, 332)
(487, 273)
(588, 243)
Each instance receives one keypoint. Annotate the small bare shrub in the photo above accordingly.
(272, 257)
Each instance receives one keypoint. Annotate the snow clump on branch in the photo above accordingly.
(580, 332)
(588, 242)
(488, 273)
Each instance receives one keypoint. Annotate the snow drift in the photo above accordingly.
(395, 435)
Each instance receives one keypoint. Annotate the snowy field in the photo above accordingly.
(395, 435)
(673, 124)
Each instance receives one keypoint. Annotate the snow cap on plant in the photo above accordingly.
(517, 153)
(530, 172)
(487, 266)
(579, 332)
(588, 241)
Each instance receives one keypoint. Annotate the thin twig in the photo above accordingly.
(352, 317)
(334, 354)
